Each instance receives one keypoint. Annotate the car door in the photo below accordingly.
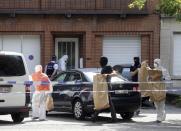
(58, 88)
(64, 90)
(72, 87)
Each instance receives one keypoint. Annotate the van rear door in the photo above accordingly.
(12, 77)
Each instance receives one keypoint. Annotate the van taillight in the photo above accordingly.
(27, 88)
(27, 91)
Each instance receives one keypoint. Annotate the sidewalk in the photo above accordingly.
(174, 91)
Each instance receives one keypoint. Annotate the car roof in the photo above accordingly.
(96, 70)
(10, 53)
(124, 65)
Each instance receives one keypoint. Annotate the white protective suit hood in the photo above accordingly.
(157, 63)
(62, 62)
(158, 66)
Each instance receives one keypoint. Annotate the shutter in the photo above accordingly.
(29, 45)
(177, 55)
(121, 50)
(12, 43)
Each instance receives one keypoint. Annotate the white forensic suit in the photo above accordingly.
(42, 89)
(160, 105)
(62, 63)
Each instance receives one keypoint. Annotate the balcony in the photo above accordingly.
(68, 6)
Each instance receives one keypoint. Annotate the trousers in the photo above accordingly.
(39, 105)
(160, 108)
(111, 108)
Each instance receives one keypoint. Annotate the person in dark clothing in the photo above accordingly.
(134, 69)
(51, 68)
(134, 73)
(108, 71)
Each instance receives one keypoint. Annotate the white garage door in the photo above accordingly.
(121, 50)
(29, 45)
(177, 55)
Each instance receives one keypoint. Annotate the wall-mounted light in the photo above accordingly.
(68, 15)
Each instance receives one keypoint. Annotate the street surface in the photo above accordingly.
(65, 122)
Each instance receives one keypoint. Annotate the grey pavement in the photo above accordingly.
(65, 122)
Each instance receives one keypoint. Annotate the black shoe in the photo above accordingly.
(34, 118)
(113, 120)
(158, 121)
(42, 119)
(93, 118)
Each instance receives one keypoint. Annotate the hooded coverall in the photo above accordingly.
(42, 88)
(160, 105)
(62, 63)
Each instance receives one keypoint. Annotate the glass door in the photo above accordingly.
(67, 46)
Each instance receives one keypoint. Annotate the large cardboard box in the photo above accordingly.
(100, 92)
(156, 85)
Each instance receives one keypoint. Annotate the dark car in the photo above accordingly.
(124, 70)
(73, 93)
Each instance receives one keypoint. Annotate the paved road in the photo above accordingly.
(65, 122)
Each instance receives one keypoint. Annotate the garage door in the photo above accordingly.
(177, 55)
(29, 45)
(121, 50)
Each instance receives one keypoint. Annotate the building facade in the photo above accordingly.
(170, 44)
(84, 29)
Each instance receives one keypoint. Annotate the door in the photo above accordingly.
(31, 51)
(68, 46)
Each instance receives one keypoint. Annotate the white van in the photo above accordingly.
(14, 87)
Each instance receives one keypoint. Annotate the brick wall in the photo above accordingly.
(94, 28)
(90, 30)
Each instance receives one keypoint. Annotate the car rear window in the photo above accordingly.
(11, 65)
(114, 79)
(126, 73)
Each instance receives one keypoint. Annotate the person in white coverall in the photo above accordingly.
(160, 105)
(43, 87)
(62, 63)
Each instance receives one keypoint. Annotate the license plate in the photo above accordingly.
(4, 89)
(121, 92)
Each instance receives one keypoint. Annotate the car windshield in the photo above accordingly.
(126, 73)
(11, 65)
(115, 79)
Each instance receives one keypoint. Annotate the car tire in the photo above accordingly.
(17, 117)
(127, 115)
(78, 111)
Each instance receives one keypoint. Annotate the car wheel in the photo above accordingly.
(17, 118)
(78, 110)
(127, 115)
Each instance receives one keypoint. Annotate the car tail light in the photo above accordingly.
(135, 88)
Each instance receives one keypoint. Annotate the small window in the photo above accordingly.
(11, 65)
